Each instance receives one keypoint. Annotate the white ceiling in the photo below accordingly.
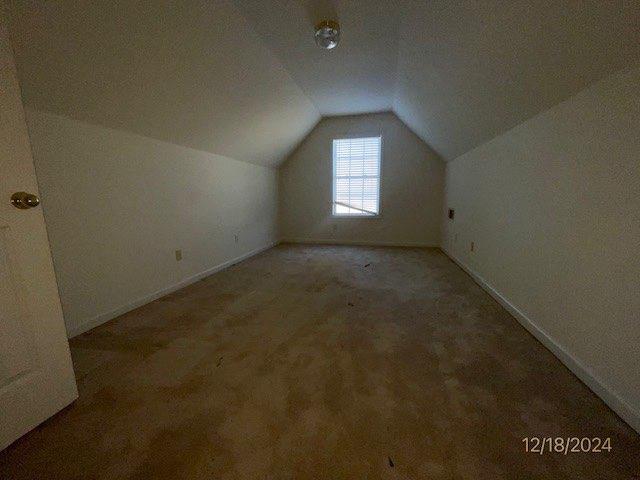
(470, 70)
(193, 73)
(244, 79)
(359, 75)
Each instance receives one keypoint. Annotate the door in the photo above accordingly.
(36, 374)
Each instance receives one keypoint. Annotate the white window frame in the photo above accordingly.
(333, 177)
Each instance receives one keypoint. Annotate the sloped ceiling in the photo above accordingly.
(359, 75)
(458, 73)
(193, 73)
(244, 78)
(470, 70)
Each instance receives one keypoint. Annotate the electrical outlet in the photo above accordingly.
(473, 246)
(334, 228)
(235, 237)
(178, 255)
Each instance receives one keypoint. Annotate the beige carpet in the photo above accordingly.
(322, 363)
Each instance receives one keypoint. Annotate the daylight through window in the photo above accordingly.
(356, 176)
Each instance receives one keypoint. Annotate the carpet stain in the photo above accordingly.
(328, 367)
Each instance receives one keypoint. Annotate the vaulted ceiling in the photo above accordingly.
(193, 73)
(245, 79)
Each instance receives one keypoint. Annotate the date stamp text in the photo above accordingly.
(566, 445)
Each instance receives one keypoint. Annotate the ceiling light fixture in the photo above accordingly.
(327, 34)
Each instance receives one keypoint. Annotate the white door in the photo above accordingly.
(36, 374)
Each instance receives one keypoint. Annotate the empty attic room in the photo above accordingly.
(320, 239)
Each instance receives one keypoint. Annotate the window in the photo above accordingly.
(356, 176)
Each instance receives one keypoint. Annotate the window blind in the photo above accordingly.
(356, 176)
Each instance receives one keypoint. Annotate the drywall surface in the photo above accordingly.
(553, 208)
(471, 70)
(358, 77)
(411, 187)
(119, 205)
(192, 73)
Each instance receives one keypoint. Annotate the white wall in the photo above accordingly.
(118, 205)
(411, 187)
(553, 207)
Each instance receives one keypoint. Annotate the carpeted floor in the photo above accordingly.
(314, 362)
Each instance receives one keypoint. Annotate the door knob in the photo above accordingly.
(24, 200)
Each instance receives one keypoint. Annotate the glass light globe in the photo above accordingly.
(327, 34)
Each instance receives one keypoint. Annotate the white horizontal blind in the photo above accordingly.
(356, 176)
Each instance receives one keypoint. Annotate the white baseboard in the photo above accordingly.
(361, 243)
(105, 317)
(584, 373)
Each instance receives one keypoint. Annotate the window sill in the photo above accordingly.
(357, 217)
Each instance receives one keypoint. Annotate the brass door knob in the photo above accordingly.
(24, 200)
